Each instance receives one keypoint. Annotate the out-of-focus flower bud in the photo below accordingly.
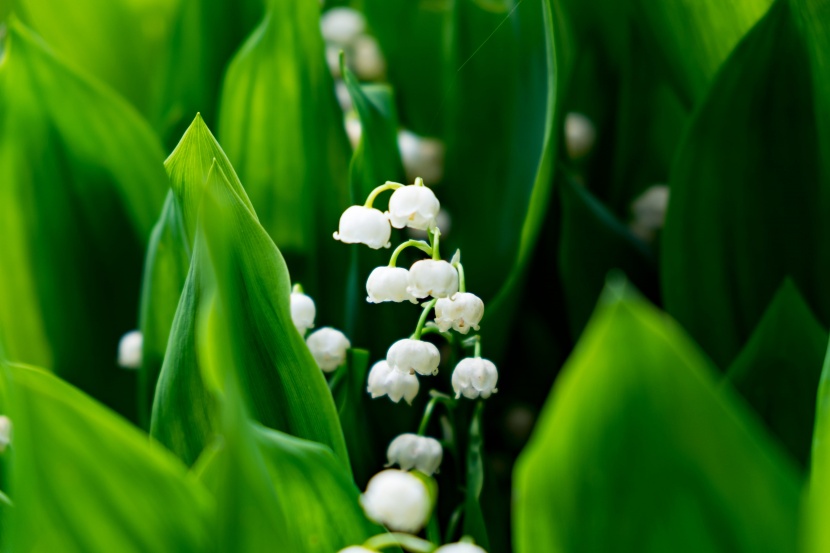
(419, 452)
(398, 500)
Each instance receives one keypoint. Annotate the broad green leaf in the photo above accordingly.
(281, 384)
(816, 532)
(84, 480)
(280, 125)
(348, 388)
(169, 252)
(779, 369)
(733, 231)
(638, 449)
(81, 183)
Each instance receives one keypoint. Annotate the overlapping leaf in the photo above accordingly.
(638, 449)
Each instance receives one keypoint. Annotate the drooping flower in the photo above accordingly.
(413, 206)
(408, 356)
(475, 377)
(388, 284)
(421, 156)
(398, 500)
(302, 312)
(419, 452)
(461, 312)
(328, 346)
(130, 350)
(432, 277)
(384, 380)
(364, 225)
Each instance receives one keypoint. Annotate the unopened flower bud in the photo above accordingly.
(342, 26)
(302, 312)
(130, 350)
(460, 548)
(461, 312)
(474, 377)
(408, 355)
(432, 277)
(419, 452)
(5, 432)
(580, 135)
(388, 284)
(384, 380)
(649, 210)
(328, 346)
(398, 500)
(364, 225)
(413, 206)
(422, 157)
(368, 59)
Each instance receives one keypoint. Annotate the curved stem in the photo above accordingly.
(462, 282)
(407, 541)
(423, 320)
(297, 288)
(420, 244)
(436, 397)
(431, 329)
(452, 527)
(388, 185)
(419, 181)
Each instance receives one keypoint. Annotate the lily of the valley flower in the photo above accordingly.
(432, 277)
(413, 206)
(388, 284)
(408, 356)
(419, 452)
(130, 350)
(475, 377)
(342, 26)
(421, 156)
(357, 549)
(302, 312)
(364, 225)
(398, 500)
(386, 381)
(328, 346)
(460, 312)
(460, 547)
(5, 432)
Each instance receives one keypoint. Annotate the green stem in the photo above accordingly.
(388, 185)
(462, 282)
(423, 320)
(452, 527)
(420, 244)
(297, 288)
(436, 397)
(407, 541)
(433, 529)
(419, 181)
(429, 329)
(477, 349)
(436, 238)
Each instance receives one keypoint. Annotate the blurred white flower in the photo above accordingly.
(649, 210)
(357, 549)
(384, 380)
(398, 500)
(413, 206)
(328, 346)
(333, 60)
(5, 432)
(419, 452)
(354, 129)
(432, 277)
(302, 312)
(474, 377)
(367, 58)
(460, 548)
(342, 26)
(421, 156)
(388, 284)
(130, 349)
(461, 312)
(580, 135)
(364, 225)
(343, 96)
(408, 356)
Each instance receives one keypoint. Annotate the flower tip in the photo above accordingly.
(336, 235)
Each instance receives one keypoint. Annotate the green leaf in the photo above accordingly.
(638, 449)
(348, 388)
(733, 232)
(280, 125)
(281, 384)
(474, 524)
(779, 369)
(816, 532)
(81, 183)
(85, 480)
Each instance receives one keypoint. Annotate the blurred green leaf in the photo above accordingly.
(779, 369)
(280, 125)
(84, 480)
(637, 449)
(474, 524)
(348, 388)
(733, 232)
(81, 183)
(281, 384)
(815, 531)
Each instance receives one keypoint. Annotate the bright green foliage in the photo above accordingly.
(280, 125)
(817, 506)
(778, 371)
(638, 450)
(348, 388)
(84, 480)
(80, 185)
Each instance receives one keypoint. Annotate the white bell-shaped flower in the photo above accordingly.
(398, 500)
(461, 312)
(432, 277)
(384, 380)
(328, 346)
(368, 60)
(388, 284)
(413, 206)
(5, 432)
(580, 135)
(302, 312)
(408, 356)
(357, 549)
(422, 157)
(475, 377)
(419, 452)
(364, 225)
(342, 26)
(460, 548)
(130, 349)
